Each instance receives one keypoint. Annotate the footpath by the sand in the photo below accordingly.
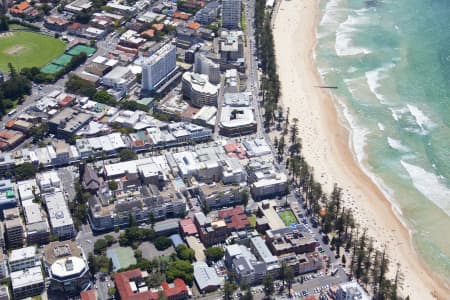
(326, 147)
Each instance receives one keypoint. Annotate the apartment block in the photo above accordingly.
(27, 283)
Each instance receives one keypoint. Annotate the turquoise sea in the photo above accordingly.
(391, 62)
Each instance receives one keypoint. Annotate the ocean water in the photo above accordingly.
(391, 62)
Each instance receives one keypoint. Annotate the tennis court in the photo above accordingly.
(63, 60)
(81, 48)
(288, 217)
(121, 257)
(51, 69)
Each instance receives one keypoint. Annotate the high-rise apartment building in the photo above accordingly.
(231, 13)
(158, 66)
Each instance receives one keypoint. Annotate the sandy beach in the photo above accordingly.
(326, 146)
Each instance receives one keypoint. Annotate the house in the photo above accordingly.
(91, 182)
(56, 23)
(131, 285)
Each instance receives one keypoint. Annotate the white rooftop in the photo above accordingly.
(68, 266)
(200, 83)
(26, 277)
(57, 210)
(205, 276)
(25, 189)
(22, 253)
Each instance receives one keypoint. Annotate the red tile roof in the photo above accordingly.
(158, 27)
(10, 123)
(149, 32)
(23, 5)
(235, 218)
(74, 26)
(193, 25)
(88, 295)
(178, 287)
(188, 227)
(66, 100)
(181, 15)
(122, 279)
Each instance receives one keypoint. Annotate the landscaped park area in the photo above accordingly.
(28, 49)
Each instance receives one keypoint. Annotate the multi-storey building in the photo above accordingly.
(231, 13)
(3, 267)
(27, 283)
(60, 219)
(210, 232)
(290, 239)
(67, 267)
(198, 89)
(158, 66)
(204, 65)
(13, 228)
(37, 227)
(23, 258)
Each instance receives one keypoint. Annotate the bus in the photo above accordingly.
(12, 112)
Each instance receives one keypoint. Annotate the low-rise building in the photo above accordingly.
(131, 285)
(27, 283)
(60, 219)
(23, 258)
(302, 263)
(219, 195)
(267, 210)
(56, 23)
(206, 277)
(27, 189)
(19, 125)
(237, 121)
(141, 201)
(290, 239)
(9, 139)
(120, 78)
(187, 227)
(235, 219)
(78, 6)
(36, 224)
(348, 290)
(67, 122)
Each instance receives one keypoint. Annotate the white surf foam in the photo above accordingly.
(380, 126)
(374, 78)
(344, 36)
(397, 145)
(429, 185)
(398, 112)
(358, 135)
(421, 119)
(357, 142)
(332, 11)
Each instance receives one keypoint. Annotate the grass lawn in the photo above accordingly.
(252, 221)
(28, 49)
(288, 217)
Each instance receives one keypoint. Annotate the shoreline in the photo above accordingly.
(327, 146)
